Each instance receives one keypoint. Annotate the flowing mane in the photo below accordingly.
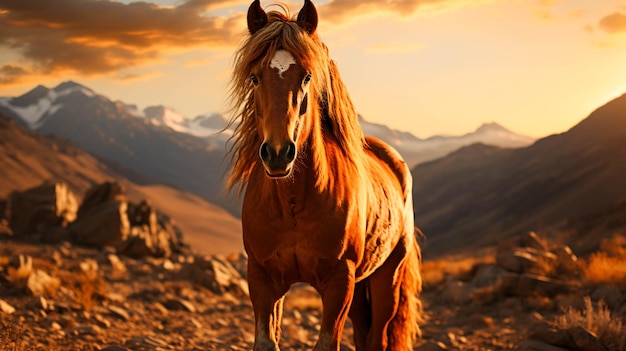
(334, 109)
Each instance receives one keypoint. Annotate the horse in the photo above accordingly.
(322, 203)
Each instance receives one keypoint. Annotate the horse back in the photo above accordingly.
(386, 154)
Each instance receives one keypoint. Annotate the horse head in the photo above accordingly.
(281, 89)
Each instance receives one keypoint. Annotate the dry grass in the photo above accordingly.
(609, 330)
(608, 266)
(436, 272)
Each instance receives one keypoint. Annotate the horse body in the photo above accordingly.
(323, 204)
(309, 231)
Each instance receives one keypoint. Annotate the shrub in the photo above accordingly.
(609, 329)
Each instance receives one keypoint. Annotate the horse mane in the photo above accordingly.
(336, 168)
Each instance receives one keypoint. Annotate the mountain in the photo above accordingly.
(416, 150)
(135, 142)
(160, 145)
(27, 159)
(481, 194)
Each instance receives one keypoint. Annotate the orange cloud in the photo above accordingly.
(613, 23)
(92, 37)
(10, 74)
(340, 10)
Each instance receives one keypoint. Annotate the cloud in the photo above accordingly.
(92, 37)
(343, 10)
(10, 74)
(613, 23)
(103, 37)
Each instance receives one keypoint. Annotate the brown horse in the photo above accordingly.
(323, 204)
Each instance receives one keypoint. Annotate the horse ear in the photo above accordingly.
(307, 18)
(257, 18)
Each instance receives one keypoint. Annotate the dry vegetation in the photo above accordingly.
(609, 265)
(597, 319)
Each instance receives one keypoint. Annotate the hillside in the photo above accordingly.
(479, 195)
(27, 160)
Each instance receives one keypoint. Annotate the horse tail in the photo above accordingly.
(404, 328)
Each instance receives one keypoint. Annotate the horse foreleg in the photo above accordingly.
(384, 298)
(337, 291)
(267, 302)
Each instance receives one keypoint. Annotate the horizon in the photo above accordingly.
(442, 67)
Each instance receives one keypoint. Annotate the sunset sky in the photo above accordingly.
(424, 66)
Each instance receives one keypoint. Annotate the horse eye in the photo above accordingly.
(254, 79)
(307, 79)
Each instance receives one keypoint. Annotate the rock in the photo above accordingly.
(101, 225)
(487, 275)
(520, 260)
(216, 274)
(6, 307)
(432, 345)
(566, 261)
(180, 305)
(41, 284)
(457, 292)
(82, 330)
(585, 339)
(533, 284)
(119, 312)
(549, 334)
(536, 345)
(529, 240)
(610, 294)
(39, 210)
(150, 342)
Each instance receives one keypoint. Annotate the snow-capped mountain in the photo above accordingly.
(416, 150)
(34, 107)
(141, 145)
(209, 126)
(110, 129)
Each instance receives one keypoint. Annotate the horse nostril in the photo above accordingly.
(265, 152)
(290, 155)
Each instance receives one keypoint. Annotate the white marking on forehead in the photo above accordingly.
(282, 61)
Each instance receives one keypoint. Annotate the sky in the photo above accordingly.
(429, 67)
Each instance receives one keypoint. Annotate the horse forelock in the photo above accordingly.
(338, 118)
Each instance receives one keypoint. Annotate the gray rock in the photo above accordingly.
(39, 210)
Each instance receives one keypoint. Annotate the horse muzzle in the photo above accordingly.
(278, 161)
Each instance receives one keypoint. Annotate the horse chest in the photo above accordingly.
(295, 246)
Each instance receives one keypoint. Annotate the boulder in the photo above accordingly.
(216, 274)
(37, 210)
(457, 292)
(102, 225)
(520, 260)
(566, 261)
(533, 285)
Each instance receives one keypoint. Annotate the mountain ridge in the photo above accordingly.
(477, 196)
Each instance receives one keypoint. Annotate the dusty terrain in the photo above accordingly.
(105, 302)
